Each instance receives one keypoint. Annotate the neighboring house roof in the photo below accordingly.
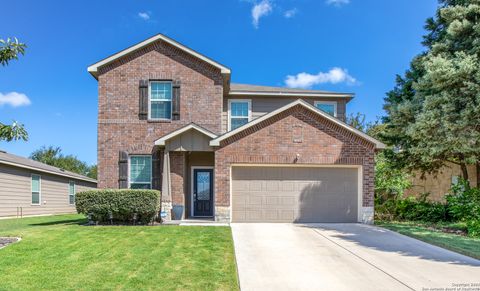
(246, 89)
(161, 141)
(378, 144)
(93, 69)
(21, 162)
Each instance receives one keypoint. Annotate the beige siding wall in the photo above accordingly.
(438, 185)
(264, 105)
(191, 140)
(15, 191)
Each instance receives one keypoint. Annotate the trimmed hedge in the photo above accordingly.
(122, 204)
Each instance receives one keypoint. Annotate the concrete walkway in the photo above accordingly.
(344, 257)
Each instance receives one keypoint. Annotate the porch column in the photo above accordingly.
(166, 187)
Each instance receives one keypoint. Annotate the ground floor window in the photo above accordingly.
(36, 189)
(71, 192)
(140, 173)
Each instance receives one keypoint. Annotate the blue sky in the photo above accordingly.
(340, 45)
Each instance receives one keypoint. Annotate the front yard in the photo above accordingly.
(434, 234)
(58, 252)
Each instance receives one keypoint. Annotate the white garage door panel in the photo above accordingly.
(294, 194)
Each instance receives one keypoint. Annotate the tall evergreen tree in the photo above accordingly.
(434, 109)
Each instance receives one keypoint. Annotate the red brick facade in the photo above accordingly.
(276, 140)
(177, 176)
(119, 127)
(279, 139)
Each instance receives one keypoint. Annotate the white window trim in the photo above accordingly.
(249, 101)
(151, 171)
(39, 189)
(74, 192)
(150, 101)
(334, 103)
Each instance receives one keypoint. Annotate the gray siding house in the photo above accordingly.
(29, 187)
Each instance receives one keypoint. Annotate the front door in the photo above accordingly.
(202, 192)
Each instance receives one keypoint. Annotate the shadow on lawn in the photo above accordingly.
(77, 221)
(388, 241)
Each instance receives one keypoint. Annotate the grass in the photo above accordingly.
(59, 253)
(436, 236)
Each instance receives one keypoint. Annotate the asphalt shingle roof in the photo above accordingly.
(22, 162)
(280, 90)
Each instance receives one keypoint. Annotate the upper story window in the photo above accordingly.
(140, 172)
(160, 100)
(36, 181)
(329, 107)
(71, 192)
(239, 111)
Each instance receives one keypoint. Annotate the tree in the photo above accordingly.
(373, 129)
(93, 172)
(434, 110)
(390, 181)
(53, 156)
(13, 132)
(9, 50)
(357, 120)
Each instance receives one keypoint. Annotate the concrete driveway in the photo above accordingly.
(344, 257)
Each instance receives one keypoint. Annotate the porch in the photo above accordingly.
(188, 175)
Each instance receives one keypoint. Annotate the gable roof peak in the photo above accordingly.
(161, 141)
(378, 144)
(93, 69)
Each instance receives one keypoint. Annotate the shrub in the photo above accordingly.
(464, 202)
(473, 228)
(463, 206)
(411, 208)
(420, 209)
(121, 204)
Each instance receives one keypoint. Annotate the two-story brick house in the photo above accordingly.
(170, 118)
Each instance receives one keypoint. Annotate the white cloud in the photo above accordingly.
(306, 80)
(144, 15)
(337, 2)
(14, 99)
(259, 10)
(290, 13)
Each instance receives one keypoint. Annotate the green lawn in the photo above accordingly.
(58, 252)
(457, 243)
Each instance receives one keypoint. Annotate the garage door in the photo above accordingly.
(294, 194)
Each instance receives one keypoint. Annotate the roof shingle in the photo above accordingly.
(234, 87)
(6, 158)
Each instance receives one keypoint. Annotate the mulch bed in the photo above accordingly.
(5, 241)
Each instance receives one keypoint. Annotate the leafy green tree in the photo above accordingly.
(13, 132)
(374, 129)
(357, 120)
(434, 110)
(9, 50)
(93, 172)
(53, 156)
(390, 181)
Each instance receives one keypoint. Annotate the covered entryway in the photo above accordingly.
(188, 173)
(295, 194)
